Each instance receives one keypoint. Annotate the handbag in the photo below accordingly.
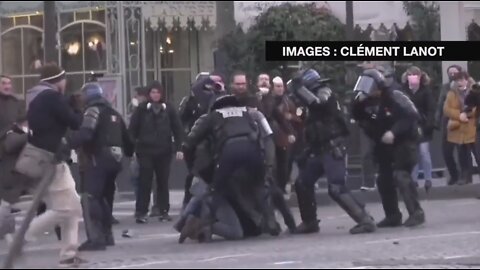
(33, 161)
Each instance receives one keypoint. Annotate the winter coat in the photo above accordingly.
(425, 104)
(459, 132)
(10, 109)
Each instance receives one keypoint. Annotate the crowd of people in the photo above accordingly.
(239, 146)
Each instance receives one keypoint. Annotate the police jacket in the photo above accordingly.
(153, 131)
(102, 127)
(324, 122)
(394, 111)
(222, 125)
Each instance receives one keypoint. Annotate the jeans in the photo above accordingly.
(425, 161)
(135, 175)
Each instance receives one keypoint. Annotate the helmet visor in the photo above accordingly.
(366, 85)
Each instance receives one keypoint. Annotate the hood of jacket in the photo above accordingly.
(33, 92)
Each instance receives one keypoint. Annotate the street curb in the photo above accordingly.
(372, 196)
(436, 193)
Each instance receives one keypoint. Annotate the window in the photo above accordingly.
(170, 56)
(83, 46)
(21, 51)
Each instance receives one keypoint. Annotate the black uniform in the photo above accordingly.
(191, 108)
(236, 135)
(104, 139)
(325, 131)
(391, 111)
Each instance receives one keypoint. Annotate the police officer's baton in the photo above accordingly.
(17, 244)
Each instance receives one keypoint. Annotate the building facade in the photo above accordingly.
(130, 42)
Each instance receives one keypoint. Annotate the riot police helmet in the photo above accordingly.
(370, 82)
(91, 90)
(225, 102)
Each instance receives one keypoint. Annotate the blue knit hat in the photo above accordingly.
(92, 90)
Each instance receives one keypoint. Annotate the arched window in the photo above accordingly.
(83, 46)
(22, 50)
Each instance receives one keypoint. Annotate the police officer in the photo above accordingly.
(325, 132)
(390, 119)
(203, 94)
(236, 135)
(104, 139)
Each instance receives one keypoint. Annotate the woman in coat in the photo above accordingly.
(462, 124)
(416, 85)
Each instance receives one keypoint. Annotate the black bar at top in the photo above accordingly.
(373, 50)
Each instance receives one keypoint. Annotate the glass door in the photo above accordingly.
(173, 61)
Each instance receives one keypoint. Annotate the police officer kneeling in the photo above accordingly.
(236, 145)
(390, 119)
(104, 139)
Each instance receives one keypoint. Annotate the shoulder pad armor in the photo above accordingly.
(260, 118)
(405, 102)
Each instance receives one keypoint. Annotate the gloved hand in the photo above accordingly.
(339, 150)
(324, 94)
(388, 137)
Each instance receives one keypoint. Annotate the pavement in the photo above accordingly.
(440, 191)
(449, 239)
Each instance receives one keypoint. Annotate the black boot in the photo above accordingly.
(308, 210)
(391, 221)
(93, 224)
(341, 195)
(410, 198)
(310, 227)
(415, 219)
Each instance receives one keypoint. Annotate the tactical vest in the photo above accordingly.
(109, 131)
(235, 122)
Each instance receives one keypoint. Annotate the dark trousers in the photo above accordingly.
(448, 149)
(150, 165)
(237, 154)
(368, 161)
(99, 188)
(188, 182)
(400, 158)
(282, 166)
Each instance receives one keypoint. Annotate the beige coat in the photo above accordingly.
(459, 132)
